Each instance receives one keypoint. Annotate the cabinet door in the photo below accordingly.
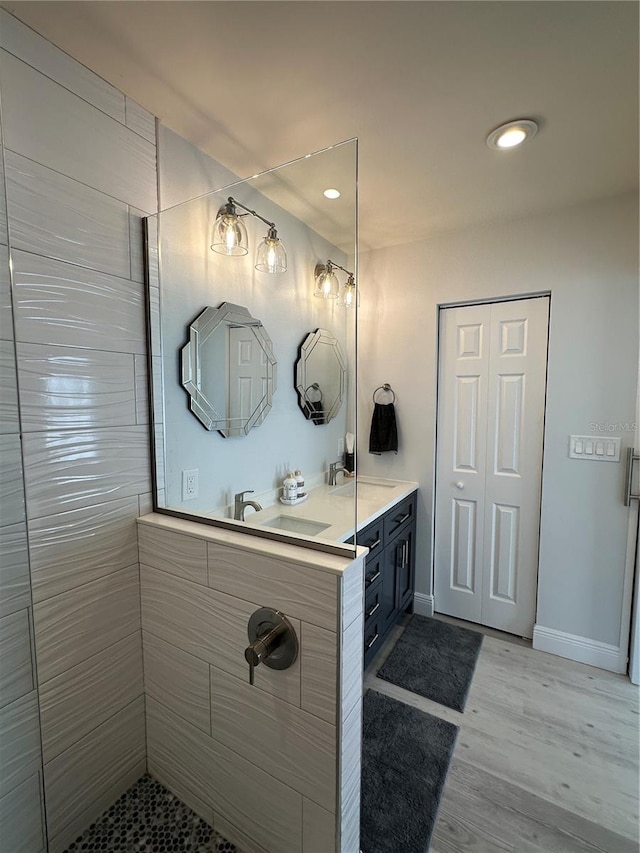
(405, 569)
(388, 598)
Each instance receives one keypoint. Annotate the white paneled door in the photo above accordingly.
(491, 397)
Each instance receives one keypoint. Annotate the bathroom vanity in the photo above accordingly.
(386, 526)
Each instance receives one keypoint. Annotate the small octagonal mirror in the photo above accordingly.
(320, 377)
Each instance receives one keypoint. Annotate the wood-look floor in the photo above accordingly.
(546, 759)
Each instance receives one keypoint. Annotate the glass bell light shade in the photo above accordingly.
(271, 255)
(229, 232)
(349, 295)
(327, 286)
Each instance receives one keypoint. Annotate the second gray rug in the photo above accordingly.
(434, 659)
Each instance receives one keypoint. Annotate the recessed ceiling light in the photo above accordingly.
(331, 193)
(512, 133)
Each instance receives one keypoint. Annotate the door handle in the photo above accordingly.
(460, 485)
(628, 494)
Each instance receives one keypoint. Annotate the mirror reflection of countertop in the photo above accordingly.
(328, 514)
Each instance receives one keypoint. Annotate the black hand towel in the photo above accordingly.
(384, 432)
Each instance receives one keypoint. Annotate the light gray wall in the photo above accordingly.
(193, 277)
(80, 173)
(587, 257)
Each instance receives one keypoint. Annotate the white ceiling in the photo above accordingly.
(420, 84)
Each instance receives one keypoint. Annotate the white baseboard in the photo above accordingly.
(580, 649)
(422, 604)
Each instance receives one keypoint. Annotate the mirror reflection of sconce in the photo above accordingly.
(229, 370)
(320, 377)
(230, 238)
(327, 285)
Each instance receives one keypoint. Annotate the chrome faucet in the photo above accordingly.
(240, 504)
(334, 471)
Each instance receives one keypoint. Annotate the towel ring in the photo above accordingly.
(386, 387)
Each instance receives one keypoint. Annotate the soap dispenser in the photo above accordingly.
(300, 483)
(290, 487)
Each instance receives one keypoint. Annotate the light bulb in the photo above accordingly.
(511, 138)
(271, 256)
(229, 232)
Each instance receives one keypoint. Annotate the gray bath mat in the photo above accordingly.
(405, 758)
(435, 660)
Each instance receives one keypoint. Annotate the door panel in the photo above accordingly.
(490, 428)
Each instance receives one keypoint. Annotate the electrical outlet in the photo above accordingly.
(190, 484)
(341, 447)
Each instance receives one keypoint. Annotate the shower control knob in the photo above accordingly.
(273, 641)
(460, 485)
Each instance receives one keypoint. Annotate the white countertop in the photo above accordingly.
(333, 506)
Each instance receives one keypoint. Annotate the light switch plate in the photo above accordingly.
(594, 448)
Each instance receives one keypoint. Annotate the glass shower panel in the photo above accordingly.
(21, 797)
(254, 374)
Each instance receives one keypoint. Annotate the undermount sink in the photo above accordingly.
(296, 525)
(348, 489)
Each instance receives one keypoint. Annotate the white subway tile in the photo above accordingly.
(79, 700)
(351, 744)
(20, 753)
(6, 312)
(318, 829)
(16, 672)
(136, 244)
(83, 818)
(63, 304)
(286, 742)
(163, 774)
(184, 556)
(307, 595)
(69, 135)
(319, 650)
(211, 626)
(9, 422)
(26, 44)
(15, 593)
(21, 824)
(71, 627)
(67, 470)
(250, 799)
(77, 779)
(11, 482)
(177, 679)
(55, 216)
(72, 548)
(67, 388)
(142, 390)
(140, 120)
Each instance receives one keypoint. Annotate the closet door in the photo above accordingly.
(489, 462)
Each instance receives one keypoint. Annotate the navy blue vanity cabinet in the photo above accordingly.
(389, 572)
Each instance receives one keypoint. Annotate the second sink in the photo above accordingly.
(296, 525)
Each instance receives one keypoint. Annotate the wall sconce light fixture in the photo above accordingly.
(328, 286)
(230, 238)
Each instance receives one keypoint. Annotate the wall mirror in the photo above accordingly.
(229, 370)
(220, 329)
(320, 377)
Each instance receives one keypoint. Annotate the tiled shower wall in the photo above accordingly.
(80, 162)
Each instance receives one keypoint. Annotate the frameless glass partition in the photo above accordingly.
(253, 361)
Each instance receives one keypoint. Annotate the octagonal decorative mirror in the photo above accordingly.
(229, 370)
(320, 377)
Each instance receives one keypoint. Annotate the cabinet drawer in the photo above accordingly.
(372, 573)
(396, 518)
(372, 605)
(372, 538)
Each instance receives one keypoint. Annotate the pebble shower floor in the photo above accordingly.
(149, 819)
